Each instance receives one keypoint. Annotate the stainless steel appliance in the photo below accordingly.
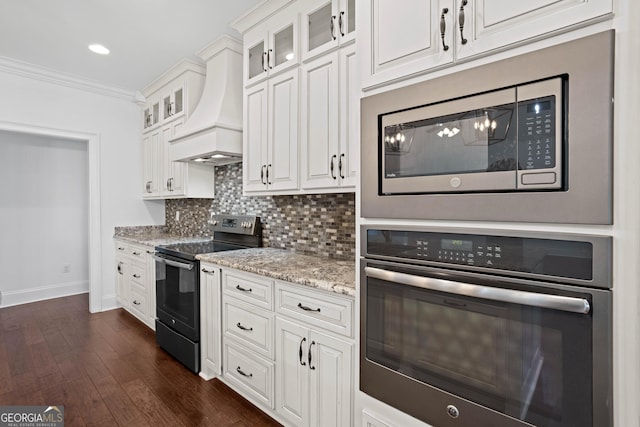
(178, 284)
(463, 328)
(526, 139)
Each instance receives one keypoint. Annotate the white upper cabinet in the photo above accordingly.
(326, 25)
(301, 97)
(409, 38)
(270, 160)
(271, 47)
(329, 118)
(405, 38)
(493, 24)
(171, 99)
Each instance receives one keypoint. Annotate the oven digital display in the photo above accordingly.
(456, 245)
(229, 222)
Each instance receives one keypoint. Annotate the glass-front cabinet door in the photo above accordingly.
(273, 47)
(327, 25)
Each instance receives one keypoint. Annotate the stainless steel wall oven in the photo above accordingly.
(498, 141)
(463, 328)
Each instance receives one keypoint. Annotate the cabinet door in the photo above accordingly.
(173, 102)
(255, 141)
(283, 51)
(210, 342)
(349, 117)
(330, 381)
(404, 38)
(173, 178)
(282, 165)
(320, 132)
(152, 152)
(122, 281)
(347, 21)
(491, 24)
(292, 372)
(320, 30)
(255, 55)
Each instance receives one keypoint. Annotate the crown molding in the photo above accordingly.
(36, 72)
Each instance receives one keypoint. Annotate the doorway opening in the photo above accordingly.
(91, 172)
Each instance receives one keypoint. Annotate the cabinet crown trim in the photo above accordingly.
(182, 67)
(257, 14)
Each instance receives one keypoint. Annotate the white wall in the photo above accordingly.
(39, 100)
(44, 212)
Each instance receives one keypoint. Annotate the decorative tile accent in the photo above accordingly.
(194, 214)
(317, 224)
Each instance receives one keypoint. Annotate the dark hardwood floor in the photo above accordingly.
(106, 370)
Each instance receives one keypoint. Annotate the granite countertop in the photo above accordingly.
(316, 272)
(154, 237)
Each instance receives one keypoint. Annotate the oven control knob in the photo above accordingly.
(455, 182)
(452, 411)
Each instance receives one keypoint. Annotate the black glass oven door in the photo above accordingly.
(178, 295)
(529, 362)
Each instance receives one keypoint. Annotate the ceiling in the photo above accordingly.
(146, 37)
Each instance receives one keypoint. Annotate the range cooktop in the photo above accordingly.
(230, 232)
(190, 250)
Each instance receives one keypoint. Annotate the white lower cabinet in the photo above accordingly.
(210, 336)
(249, 373)
(136, 281)
(287, 348)
(314, 376)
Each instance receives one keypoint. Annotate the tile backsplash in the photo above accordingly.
(318, 224)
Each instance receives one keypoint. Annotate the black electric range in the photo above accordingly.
(178, 284)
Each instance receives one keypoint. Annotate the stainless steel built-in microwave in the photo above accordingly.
(510, 139)
(524, 139)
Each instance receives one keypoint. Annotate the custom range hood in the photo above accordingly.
(213, 132)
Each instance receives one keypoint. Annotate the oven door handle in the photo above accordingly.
(554, 302)
(177, 264)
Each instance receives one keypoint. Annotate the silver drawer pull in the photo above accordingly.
(136, 253)
(241, 372)
(244, 328)
(137, 276)
(240, 288)
(136, 302)
(204, 270)
(305, 308)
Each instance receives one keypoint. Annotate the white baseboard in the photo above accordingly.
(25, 296)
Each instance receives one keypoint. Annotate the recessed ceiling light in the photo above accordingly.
(98, 48)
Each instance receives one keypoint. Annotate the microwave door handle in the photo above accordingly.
(177, 264)
(554, 302)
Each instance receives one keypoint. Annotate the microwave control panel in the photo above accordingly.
(537, 133)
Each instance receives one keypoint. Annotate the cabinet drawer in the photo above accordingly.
(137, 252)
(252, 326)
(138, 276)
(249, 288)
(139, 305)
(318, 308)
(252, 374)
